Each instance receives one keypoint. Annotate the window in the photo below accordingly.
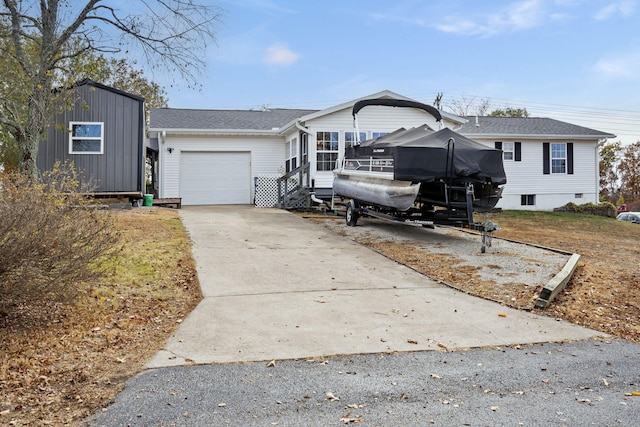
(326, 150)
(375, 135)
(507, 151)
(528, 200)
(558, 158)
(350, 138)
(579, 195)
(86, 138)
(291, 154)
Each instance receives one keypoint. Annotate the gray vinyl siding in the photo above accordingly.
(121, 166)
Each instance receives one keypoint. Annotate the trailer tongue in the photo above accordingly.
(420, 175)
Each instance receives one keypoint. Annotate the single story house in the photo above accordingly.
(103, 134)
(216, 156)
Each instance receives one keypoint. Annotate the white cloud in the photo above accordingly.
(279, 54)
(624, 65)
(624, 8)
(514, 17)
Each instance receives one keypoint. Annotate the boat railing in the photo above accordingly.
(368, 165)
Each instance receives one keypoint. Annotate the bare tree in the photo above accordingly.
(468, 105)
(39, 37)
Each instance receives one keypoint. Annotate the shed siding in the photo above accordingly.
(267, 156)
(121, 166)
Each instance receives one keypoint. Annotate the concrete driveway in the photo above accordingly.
(279, 287)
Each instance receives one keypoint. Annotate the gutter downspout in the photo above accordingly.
(599, 144)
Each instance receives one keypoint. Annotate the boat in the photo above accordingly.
(419, 174)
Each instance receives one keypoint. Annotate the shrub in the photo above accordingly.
(601, 209)
(50, 238)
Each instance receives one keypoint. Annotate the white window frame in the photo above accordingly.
(508, 151)
(349, 137)
(558, 164)
(333, 153)
(73, 138)
(291, 148)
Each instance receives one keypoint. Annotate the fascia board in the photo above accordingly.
(253, 132)
(535, 136)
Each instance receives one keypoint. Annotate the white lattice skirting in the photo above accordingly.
(266, 191)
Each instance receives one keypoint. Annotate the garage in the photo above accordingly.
(215, 178)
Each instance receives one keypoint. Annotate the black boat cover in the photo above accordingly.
(424, 155)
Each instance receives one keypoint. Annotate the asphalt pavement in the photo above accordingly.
(300, 326)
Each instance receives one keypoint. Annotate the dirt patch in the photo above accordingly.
(602, 294)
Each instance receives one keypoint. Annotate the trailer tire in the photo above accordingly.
(351, 215)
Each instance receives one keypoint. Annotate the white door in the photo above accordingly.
(215, 178)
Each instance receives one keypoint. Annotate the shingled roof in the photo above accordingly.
(266, 119)
(526, 126)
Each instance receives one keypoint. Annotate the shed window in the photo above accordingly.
(86, 138)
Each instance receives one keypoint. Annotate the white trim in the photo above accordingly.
(73, 138)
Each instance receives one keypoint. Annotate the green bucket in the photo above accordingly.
(147, 200)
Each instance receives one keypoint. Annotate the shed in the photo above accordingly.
(102, 133)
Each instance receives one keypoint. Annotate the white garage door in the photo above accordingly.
(215, 178)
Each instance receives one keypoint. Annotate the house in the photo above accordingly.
(217, 156)
(103, 134)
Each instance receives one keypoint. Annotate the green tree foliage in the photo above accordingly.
(629, 169)
(40, 38)
(509, 112)
(609, 174)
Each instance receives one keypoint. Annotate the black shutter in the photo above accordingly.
(570, 158)
(498, 145)
(517, 146)
(546, 159)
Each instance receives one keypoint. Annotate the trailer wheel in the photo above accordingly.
(351, 215)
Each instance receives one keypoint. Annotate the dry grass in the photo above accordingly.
(60, 362)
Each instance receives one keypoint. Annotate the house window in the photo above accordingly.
(86, 137)
(375, 135)
(291, 154)
(326, 150)
(304, 147)
(528, 200)
(579, 195)
(507, 151)
(558, 158)
(350, 138)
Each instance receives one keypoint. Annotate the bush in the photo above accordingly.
(602, 209)
(50, 238)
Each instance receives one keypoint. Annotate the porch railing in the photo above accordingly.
(293, 188)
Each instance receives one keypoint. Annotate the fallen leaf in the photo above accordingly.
(412, 341)
(502, 314)
(495, 408)
(436, 376)
(271, 364)
(442, 345)
(331, 397)
(221, 405)
(349, 419)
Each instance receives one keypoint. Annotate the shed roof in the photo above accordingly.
(526, 126)
(266, 119)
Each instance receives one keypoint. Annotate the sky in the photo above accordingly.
(572, 60)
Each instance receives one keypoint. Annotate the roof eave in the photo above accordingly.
(537, 136)
(252, 132)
